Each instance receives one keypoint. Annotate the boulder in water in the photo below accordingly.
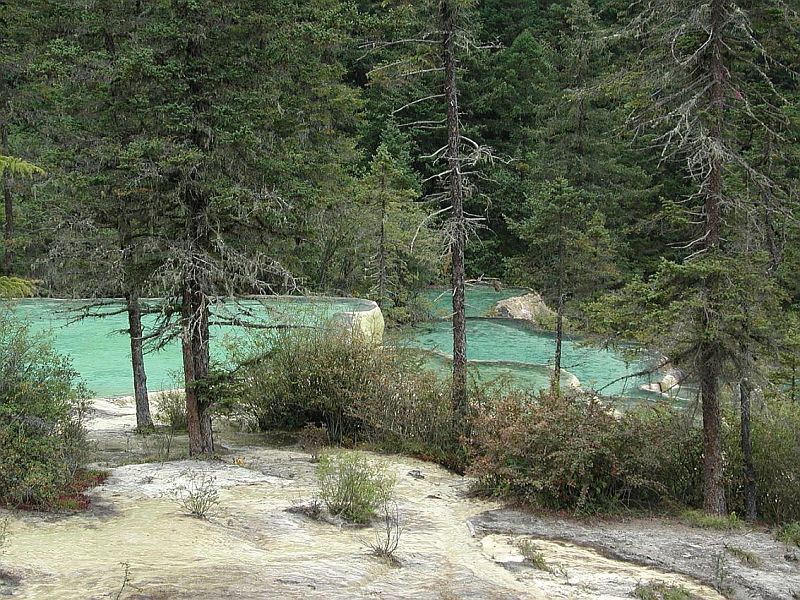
(673, 378)
(530, 307)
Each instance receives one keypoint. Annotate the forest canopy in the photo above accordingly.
(636, 163)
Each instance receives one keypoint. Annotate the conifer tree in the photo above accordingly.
(705, 68)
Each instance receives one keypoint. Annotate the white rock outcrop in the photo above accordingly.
(530, 307)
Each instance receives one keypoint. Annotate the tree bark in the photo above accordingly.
(383, 275)
(8, 207)
(750, 489)
(143, 418)
(713, 490)
(196, 338)
(195, 347)
(196, 292)
(448, 14)
(555, 380)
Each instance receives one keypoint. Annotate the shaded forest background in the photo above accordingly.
(92, 93)
(636, 163)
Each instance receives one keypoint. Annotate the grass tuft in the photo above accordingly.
(789, 533)
(533, 555)
(746, 557)
(662, 591)
(697, 518)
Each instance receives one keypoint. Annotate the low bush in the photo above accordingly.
(313, 438)
(171, 410)
(3, 534)
(198, 497)
(387, 536)
(574, 453)
(662, 591)
(789, 534)
(359, 392)
(697, 518)
(42, 438)
(533, 555)
(15, 287)
(352, 487)
(776, 454)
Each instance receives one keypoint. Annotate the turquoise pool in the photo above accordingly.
(504, 348)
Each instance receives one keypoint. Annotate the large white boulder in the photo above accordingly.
(530, 307)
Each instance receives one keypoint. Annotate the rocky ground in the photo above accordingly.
(137, 542)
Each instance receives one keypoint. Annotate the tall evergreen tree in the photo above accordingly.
(701, 57)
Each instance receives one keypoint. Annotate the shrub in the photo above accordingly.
(198, 497)
(789, 533)
(15, 287)
(533, 555)
(358, 391)
(312, 438)
(775, 434)
(697, 518)
(387, 537)
(352, 487)
(3, 534)
(745, 556)
(575, 453)
(662, 591)
(42, 439)
(171, 410)
(291, 378)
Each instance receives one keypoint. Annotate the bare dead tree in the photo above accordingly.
(442, 45)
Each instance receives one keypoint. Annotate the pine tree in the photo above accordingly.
(701, 57)
(570, 252)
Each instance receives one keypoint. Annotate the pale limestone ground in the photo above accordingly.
(252, 547)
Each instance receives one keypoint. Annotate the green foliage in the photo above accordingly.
(533, 555)
(312, 438)
(745, 556)
(697, 518)
(358, 391)
(577, 454)
(15, 287)
(569, 250)
(574, 453)
(405, 250)
(789, 533)
(4, 535)
(198, 497)
(42, 439)
(352, 487)
(776, 454)
(171, 410)
(662, 591)
(16, 167)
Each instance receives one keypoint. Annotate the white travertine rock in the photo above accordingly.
(530, 307)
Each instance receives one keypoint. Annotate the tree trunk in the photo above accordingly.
(382, 266)
(448, 10)
(143, 418)
(750, 490)
(195, 307)
(195, 312)
(713, 490)
(8, 204)
(555, 380)
(195, 347)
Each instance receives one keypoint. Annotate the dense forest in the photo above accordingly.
(636, 163)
